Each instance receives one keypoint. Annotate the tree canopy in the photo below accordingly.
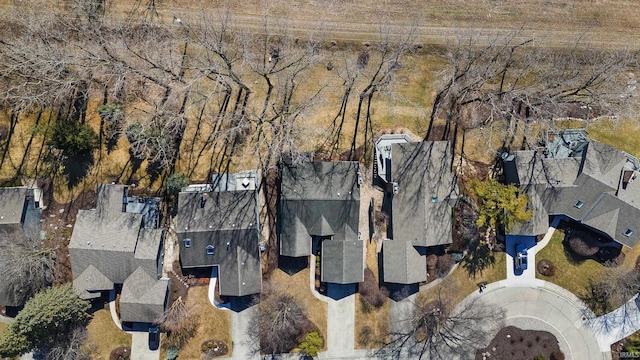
(46, 320)
(499, 204)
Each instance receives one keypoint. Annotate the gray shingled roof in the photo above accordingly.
(588, 189)
(229, 223)
(342, 261)
(402, 263)
(323, 199)
(91, 279)
(108, 245)
(421, 210)
(539, 222)
(143, 297)
(14, 204)
(318, 198)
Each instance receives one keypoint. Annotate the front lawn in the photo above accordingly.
(298, 285)
(575, 275)
(463, 284)
(103, 336)
(214, 324)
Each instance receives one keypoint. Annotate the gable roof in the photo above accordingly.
(317, 198)
(595, 189)
(342, 261)
(227, 222)
(402, 263)
(107, 244)
(323, 199)
(143, 297)
(91, 279)
(421, 210)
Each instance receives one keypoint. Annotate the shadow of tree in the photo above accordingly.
(154, 169)
(112, 142)
(76, 168)
(478, 258)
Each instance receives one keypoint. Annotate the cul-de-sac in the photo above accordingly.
(319, 179)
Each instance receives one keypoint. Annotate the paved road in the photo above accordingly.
(551, 308)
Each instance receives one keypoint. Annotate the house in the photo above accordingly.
(218, 225)
(585, 180)
(320, 212)
(119, 242)
(20, 216)
(422, 190)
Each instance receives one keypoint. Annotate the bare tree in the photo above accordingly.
(28, 267)
(509, 78)
(611, 301)
(442, 329)
(280, 323)
(180, 321)
(72, 348)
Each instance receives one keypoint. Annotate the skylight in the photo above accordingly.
(187, 242)
(434, 199)
(579, 204)
(628, 233)
(211, 250)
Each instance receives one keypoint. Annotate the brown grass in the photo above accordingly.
(460, 285)
(214, 324)
(103, 336)
(298, 285)
(376, 319)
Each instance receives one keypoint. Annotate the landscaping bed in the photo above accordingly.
(514, 343)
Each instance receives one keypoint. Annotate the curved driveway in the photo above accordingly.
(550, 308)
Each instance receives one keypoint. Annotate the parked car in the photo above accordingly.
(521, 257)
(154, 338)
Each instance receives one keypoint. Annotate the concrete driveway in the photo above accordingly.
(140, 347)
(241, 314)
(341, 327)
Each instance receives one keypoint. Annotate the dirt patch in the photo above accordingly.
(177, 286)
(514, 343)
(546, 268)
(58, 221)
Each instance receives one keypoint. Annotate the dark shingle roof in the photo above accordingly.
(342, 261)
(91, 279)
(229, 223)
(585, 189)
(402, 263)
(317, 199)
(107, 245)
(323, 199)
(421, 210)
(143, 297)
